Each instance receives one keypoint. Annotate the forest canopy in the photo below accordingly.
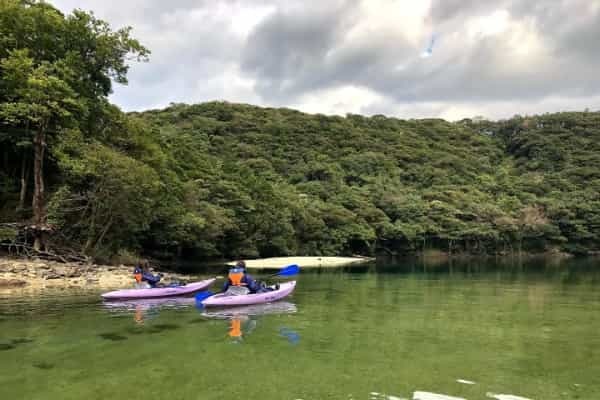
(233, 180)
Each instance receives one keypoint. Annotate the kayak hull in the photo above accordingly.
(159, 291)
(224, 300)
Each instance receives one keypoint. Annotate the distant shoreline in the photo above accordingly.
(303, 262)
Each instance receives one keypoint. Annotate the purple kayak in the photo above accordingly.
(159, 291)
(227, 300)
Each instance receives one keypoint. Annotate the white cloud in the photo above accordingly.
(338, 101)
(487, 25)
(399, 19)
(495, 58)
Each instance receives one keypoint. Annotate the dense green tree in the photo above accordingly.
(233, 180)
(53, 68)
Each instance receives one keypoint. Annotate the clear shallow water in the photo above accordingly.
(531, 331)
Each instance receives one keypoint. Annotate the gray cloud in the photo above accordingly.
(497, 57)
(482, 71)
(288, 49)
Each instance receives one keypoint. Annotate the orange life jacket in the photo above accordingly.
(235, 276)
(138, 277)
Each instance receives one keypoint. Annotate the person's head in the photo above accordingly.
(241, 264)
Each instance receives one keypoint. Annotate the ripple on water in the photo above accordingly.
(433, 396)
(505, 397)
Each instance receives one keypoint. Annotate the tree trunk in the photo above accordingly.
(91, 228)
(24, 179)
(106, 228)
(39, 209)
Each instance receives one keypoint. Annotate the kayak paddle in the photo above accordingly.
(290, 270)
(203, 296)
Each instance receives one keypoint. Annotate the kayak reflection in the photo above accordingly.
(244, 319)
(145, 309)
(280, 307)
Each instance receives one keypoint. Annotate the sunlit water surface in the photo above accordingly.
(475, 330)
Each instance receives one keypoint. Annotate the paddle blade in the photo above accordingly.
(290, 270)
(291, 336)
(203, 296)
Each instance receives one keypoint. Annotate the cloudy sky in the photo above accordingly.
(493, 58)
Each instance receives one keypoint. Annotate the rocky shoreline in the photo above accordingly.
(38, 275)
(18, 275)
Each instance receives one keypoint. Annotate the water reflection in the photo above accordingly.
(241, 321)
(280, 307)
(147, 309)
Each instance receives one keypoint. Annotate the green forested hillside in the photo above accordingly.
(221, 179)
(380, 184)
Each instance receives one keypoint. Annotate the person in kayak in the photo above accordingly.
(238, 277)
(142, 274)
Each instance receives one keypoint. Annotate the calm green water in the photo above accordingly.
(530, 331)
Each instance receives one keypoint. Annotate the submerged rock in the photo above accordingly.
(4, 283)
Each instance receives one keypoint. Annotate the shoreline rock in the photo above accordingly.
(11, 283)
(18, 275)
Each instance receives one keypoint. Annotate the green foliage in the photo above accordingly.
(7, 233)
(234, 180)
(37, 96)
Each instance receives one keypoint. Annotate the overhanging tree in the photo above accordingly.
(56, 72)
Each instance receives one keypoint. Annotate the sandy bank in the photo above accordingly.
(17, 275)
(303, 262)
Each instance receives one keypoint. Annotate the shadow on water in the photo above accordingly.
(198, 321)
(152, 329)
(139, 330)
(43, 365)
(13, 343)
(136, 330)
(112, 336)
(22, 341)
(158, 328)
(6, 346)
